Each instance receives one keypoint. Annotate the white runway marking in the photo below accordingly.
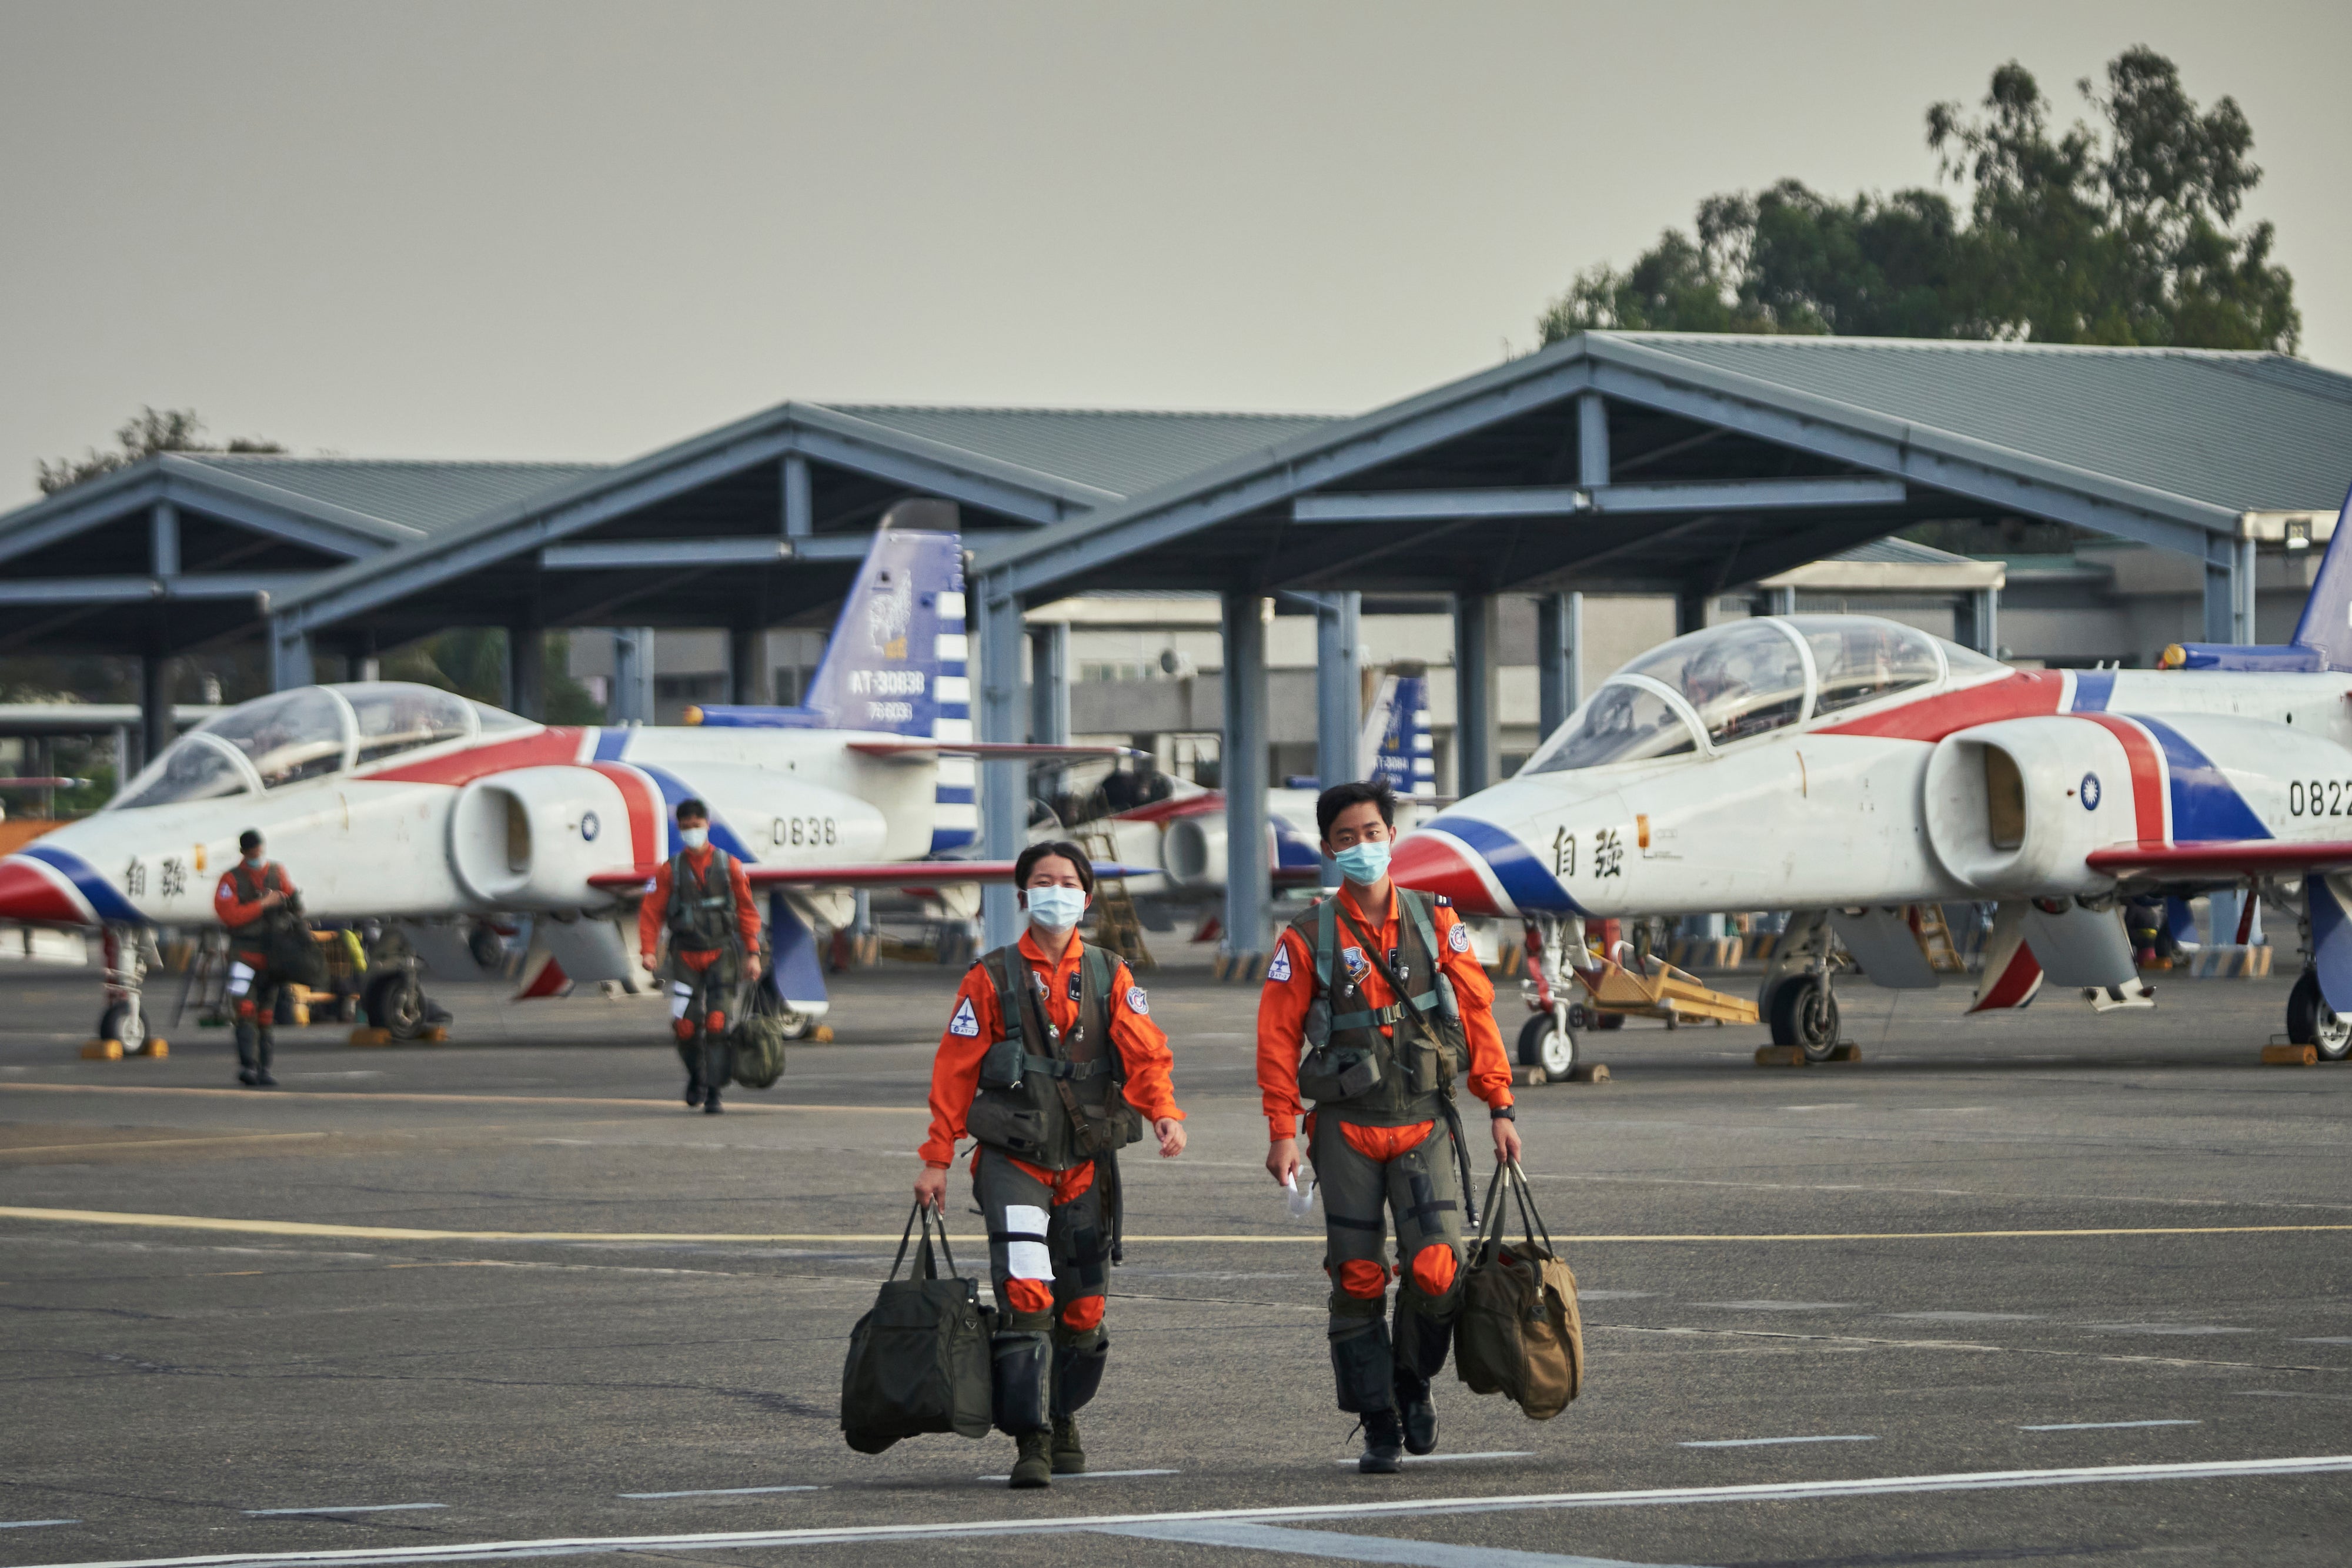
(1092, 1474)
(2107, 1425)
(33, 1523)
(1441, 1458)
(1357, 1548)
(740, 1539)
(715, 1491)
(1777, 1306)
(355, 1508)
(2162, 1328)
(1772, 1442)
(2332, 1339)
(1967, 1317)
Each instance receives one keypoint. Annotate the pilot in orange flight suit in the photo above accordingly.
(701, 897)
(1051, 1093)
(1383, 1135)
(250, 893)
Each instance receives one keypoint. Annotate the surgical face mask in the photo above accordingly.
(694, 838)
(1364, 863)
(254, 860)
(1055, 908)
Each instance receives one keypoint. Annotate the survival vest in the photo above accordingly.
(701, 909)
(1050, 1098)
(250, 885)
(1372, 1078)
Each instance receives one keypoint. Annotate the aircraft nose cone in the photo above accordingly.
(1439, 863)
(31, 892)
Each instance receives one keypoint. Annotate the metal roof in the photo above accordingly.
(2250, 432)
(1893, 552)
(1125, 451)
(426, 496)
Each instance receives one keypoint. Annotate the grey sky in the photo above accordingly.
(585, 229)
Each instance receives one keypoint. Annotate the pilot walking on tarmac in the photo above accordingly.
(254, 897)
(1052, 1061)
(702, 899)
(1377, 987)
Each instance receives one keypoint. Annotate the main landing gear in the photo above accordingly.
(1796, 998)
(2311, 1021)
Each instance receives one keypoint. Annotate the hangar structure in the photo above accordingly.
(1675, 462)
(1689, 466)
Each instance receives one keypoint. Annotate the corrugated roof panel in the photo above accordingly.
(1122, 450)
(1902, 551)
(428, 496)
(2248, 432)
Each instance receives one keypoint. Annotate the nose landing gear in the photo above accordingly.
(2311, 1021)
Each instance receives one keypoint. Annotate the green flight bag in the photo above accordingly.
(919, 1361)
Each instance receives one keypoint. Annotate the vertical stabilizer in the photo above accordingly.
(2326, 624)
(896, 662)
(1396, 743)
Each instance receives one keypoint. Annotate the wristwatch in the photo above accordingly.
(1503, 1114)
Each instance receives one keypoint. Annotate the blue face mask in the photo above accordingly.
(254, 861)
(1055, 908)
(1364, 863)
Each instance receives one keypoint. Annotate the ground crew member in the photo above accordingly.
(1384, 1130)
(254, 897)
(702, 899)
(1052, 1061)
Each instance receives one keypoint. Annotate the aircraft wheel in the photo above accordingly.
(1544, 1044)
(2311, 1021)
(1805, 1014)
(488, 951)
(395, 1004)
(795, 1025)
(120, 1021)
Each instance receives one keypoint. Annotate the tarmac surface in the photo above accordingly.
(2044, 1288)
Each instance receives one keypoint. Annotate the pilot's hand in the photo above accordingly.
(751, 967)
(1282, 1160)
(931, 1188)
(269, 900)
(1507, 1140)
(1172, 1136)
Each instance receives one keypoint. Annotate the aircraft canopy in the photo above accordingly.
(1746, 679)
(308, 733)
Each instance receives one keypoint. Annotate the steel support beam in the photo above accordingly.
(1591, 439)
(1559, 656)
(633, 674)
(142, 590)
(1338, 692)
(1241, 768)
(1004, 785)
(1690, 610)
(799, 503)
(1473, 691)
(2242, 623)
(1983, 631)
(2220, 589)
(527, 671)
(290, 656)
(1049, 683)
(1578, 500)
(1780, 600)
(156, 730)
(747, 664)
(164, 539)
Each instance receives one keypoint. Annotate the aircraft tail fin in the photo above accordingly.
(2326, 623)
(895, 663)
(2323, 638)
(1396, 744)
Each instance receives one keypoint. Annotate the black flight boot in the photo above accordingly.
(1418, 1411)
(694, 1093)
(245, 1047)
(265, 1043)
(1034, 1467)
(710, 1106)
(1383, 1444)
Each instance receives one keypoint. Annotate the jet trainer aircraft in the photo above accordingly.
(408, 803)
(1845, 768)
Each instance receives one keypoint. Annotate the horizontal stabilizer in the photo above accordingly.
(2222, 857)
(999, 750)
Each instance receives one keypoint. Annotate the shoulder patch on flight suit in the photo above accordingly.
(964, 1023)
(1458, 938)
(1137, 1003)
(1279, 970)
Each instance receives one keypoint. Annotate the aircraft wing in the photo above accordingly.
(2223, 857)
(873, 874)
(996, 750)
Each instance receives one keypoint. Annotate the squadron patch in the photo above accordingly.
(1074, 985)
(1137, 1002)
(1354, 958)
(1443, 902)
(1458, 938)
(964, 1023)
(1279, 970)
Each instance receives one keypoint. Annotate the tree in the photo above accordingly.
(148, 432)
(472, 662)
(2122, 234)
